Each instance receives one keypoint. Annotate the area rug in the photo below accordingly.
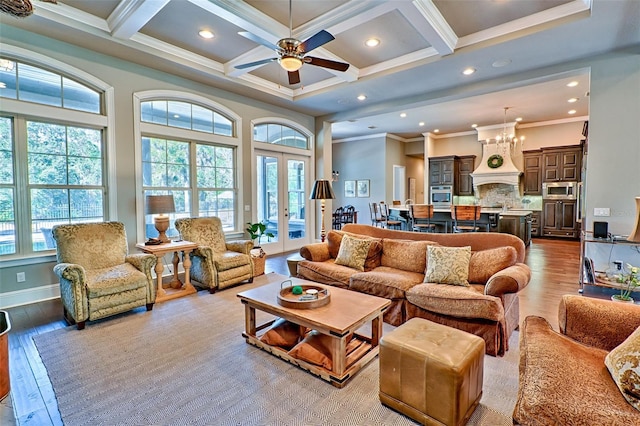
(186, 362)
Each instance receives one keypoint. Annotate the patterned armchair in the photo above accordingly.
(98, 277)
(216, 263)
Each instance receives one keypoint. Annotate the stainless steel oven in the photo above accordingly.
(560, 190)
(441, 196)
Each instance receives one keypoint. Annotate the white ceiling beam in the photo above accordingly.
(131, 15)
(72, 17)
(430, 23)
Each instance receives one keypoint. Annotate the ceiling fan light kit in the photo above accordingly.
(291, 52)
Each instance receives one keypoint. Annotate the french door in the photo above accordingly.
(282, 199)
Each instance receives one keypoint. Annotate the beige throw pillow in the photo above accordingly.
(623, 363)
(353, 252)
(448, 265)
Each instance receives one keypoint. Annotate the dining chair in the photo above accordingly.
(338, 216)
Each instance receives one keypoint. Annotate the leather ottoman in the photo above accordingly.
(431, 372)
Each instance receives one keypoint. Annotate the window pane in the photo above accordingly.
(46, 138)
(202, 119)
(177, 152)
(7, 222)
(224, 157)
(6, 151)
(38, 85)
(8, 72)
(86, 205)
(80, 97)
(158, 150)
(49, 207)
(179, 114)
(155, 112)
(260, 133)
(274, 133)
(205, 155)
(84, 142)
(224, 178)
(85, 171)
(222, 125)
(177, 175)
(206, 177)
(45, 169)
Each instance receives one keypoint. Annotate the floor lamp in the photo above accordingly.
(322, 191)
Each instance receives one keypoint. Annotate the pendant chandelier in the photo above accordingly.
(507, 142)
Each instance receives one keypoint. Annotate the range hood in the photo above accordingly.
(507, 173)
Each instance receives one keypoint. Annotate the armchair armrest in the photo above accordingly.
(72, 289)
(595, 322)
(509, 280)
(142, 261)
(240, 246)
(71, 272)
(316, 252)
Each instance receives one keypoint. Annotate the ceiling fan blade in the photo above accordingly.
(315, 41)
(326, 63)
(259, 40)
(294, 77)
(255, 64)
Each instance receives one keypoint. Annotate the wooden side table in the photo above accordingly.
(159, 251)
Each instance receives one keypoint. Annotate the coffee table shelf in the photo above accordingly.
(347, 312)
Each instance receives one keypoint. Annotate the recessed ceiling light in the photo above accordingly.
(519, 119)
(403, 115)
(2, 85)
(205, 34)
(572, 84)
(436, 130)
(474, 125)
(176, 116)
(421, 123)
(362, 97)
(571, 112)
(372, 42)
(468, 71)
(501, 63)
(572, 100)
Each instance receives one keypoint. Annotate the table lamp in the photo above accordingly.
(160, 205)
(322, 191)
(635, 234)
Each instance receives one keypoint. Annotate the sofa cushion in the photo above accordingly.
(484, 263)
(623, 363)
(448, 265)
(353, 252)
(456, 301)
(385, 282)
(334, 238)
(405, 254)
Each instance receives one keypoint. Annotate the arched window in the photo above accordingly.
(280, 134)
(189, 146)
(53, 142)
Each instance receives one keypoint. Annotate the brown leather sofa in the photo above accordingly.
(563, 376)
(489, 308)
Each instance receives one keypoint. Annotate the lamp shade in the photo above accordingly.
(322, 190)
(157, 204)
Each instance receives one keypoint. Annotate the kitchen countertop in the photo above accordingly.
(487, 210)
(516, 213)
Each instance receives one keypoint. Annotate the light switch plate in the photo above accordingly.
(247, 208)
(602, 211)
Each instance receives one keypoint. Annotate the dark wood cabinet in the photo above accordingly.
(559, 218)
(536, 224)
(518, 225)
(442, 170)
(453, 170)
(561, 164)
(532, 172)
(464, 181)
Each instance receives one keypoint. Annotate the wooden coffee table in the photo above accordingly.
(344, 314)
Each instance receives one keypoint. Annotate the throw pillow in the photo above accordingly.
(314, 349)
(623, 363)
(484, 263)
(282, 333)
(448, 265)
(353, 252)
(334, 239)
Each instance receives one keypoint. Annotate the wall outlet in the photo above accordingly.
(247, 208)
(602, 211)
(20, 277)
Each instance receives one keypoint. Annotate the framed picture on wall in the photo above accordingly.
(349, 188)
(362, 188)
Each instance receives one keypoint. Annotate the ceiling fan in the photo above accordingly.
(292, 52)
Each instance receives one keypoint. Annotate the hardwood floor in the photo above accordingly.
(554, 265)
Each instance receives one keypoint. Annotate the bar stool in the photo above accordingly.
(376, 215)
(420, 215)
(384, 210)
(465, 218)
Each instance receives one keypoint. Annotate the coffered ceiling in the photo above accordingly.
(417, 67)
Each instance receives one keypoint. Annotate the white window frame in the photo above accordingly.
(162, 131)
(59, 115)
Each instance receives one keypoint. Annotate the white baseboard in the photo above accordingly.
(30, 295)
